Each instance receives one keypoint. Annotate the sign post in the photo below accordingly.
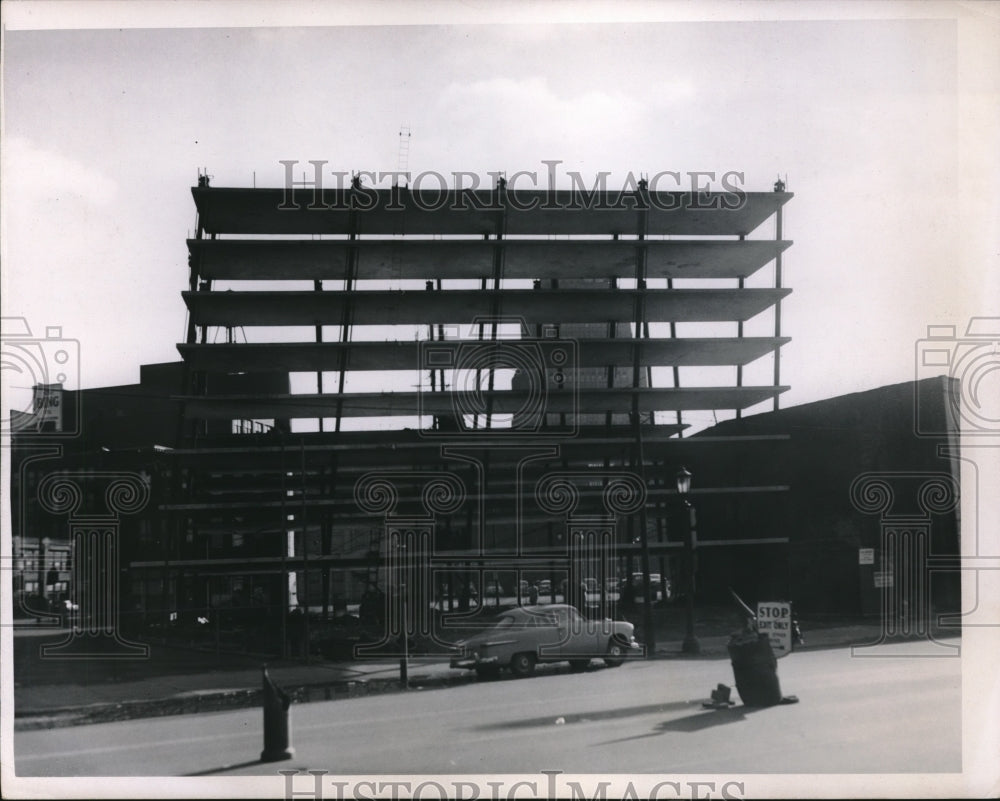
(774, 618)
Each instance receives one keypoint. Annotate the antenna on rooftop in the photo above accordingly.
(403, 157)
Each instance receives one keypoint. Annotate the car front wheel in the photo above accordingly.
(522, 664)
(616, 653)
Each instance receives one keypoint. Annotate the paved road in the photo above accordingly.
(855, 716)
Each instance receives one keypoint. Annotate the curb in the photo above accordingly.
(216, 701)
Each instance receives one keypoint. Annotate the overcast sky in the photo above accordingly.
(885, 128)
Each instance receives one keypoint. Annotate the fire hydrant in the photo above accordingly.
(276, 726)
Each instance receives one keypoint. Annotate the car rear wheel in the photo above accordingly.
(616, 653)
(522, 664)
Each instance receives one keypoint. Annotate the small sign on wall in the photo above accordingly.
(47, 405)
(866, 556)
(883, 579)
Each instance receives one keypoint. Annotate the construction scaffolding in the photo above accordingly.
(439, 377)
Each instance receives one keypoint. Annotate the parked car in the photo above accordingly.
(338, 638)
(654, 583)
(591, 591)
(524, 637)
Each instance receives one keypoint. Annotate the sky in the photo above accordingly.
(882, 117)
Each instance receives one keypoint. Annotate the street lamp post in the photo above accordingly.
(404, 662)
(690, 644)
(43, 546)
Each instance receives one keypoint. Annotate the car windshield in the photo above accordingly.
(521, 619)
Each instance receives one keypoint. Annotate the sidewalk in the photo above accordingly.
(204, 683)
(53, 705)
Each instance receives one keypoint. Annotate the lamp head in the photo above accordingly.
(683, 481)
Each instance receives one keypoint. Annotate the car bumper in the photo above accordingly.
(632, 648)
(473, 661)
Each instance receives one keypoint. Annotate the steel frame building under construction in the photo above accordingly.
(384, 393)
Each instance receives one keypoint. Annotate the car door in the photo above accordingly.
(576, 640)
(547, 635)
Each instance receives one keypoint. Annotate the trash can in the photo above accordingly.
(755, 669)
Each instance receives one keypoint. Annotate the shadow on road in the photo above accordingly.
(692, 723)
(706, 719)
(586, 717)
(224, 768)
